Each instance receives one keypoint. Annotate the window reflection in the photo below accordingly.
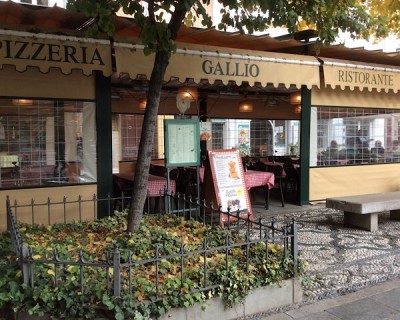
(348, 136)
(253, 137)
(44, 142)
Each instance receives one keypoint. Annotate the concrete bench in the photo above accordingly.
(362, 210)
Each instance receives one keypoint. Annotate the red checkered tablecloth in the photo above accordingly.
(155, 184)
(252, 178)
(259, 179)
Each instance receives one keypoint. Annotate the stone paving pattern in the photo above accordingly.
(340, 259)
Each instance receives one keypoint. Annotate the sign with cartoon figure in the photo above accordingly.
(229, 183)
(243, 139)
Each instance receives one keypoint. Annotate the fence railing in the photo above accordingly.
(119, 271)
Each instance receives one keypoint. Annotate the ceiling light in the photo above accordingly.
(142, 104)
(295, 97)
(22, 102)
(188, 92)
(246, 106)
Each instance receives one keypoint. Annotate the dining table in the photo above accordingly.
(281, 164)
(156, 185)
(253, 179)
(263, 179)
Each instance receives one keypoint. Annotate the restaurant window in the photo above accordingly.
(129, 129)
(346, 136)
(44, 142)
(217, 135)
(257, 138)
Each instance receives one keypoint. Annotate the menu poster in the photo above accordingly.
(182, 145)
(205, 131)
(229, 183)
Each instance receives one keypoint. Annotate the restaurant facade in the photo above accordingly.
(71, 111)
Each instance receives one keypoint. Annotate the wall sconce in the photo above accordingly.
(142, 104)
(295, 97)
(246, 106)
(189, 92)
(297, 109)
(22, 102)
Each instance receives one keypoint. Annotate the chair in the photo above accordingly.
(287, 160)
(258, 166)
(277, 170)
(122, 192)
(291, 178)
(158, 170)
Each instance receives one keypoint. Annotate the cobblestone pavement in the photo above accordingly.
(341, 259)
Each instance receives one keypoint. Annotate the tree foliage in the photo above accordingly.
(159, 23)
(387, 10)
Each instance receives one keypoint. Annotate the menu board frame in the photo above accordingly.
(229, 183)
(182, 142)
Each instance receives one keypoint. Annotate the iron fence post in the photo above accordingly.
(117, 273)
(294, 245)
(25, 265)
(8, 208)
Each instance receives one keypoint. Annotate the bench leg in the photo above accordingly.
(367, 222)
(395, 214)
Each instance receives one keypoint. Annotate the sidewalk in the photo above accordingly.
(353, 274)
(379, 302)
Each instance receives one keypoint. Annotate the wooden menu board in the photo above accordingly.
(225, 185)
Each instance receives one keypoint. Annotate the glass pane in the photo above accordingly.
(45, 142)
(355, 136)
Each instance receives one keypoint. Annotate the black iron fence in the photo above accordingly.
(121, 269)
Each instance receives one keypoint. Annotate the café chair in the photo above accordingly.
(259, 166)
(277, 170)
(291, 178)
(122, 192)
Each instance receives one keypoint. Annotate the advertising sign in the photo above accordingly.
(229, 183)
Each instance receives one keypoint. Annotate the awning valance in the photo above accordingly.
(45, 51)
(212, 63)
(351, 74)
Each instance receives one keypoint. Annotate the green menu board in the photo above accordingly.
(182, 142)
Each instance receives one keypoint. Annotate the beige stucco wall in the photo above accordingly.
(56, 195)
(351, 180)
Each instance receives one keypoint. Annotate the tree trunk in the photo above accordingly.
(139, 192)
(161, 61)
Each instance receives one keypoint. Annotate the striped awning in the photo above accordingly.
(224, 64)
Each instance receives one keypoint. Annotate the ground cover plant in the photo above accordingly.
(171, 262)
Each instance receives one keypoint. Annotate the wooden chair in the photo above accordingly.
(122, 192)
(258, 166)
(277, 170)
(291, 178)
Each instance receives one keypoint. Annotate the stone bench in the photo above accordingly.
(362, 210)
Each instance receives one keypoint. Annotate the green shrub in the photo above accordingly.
(163, 234)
